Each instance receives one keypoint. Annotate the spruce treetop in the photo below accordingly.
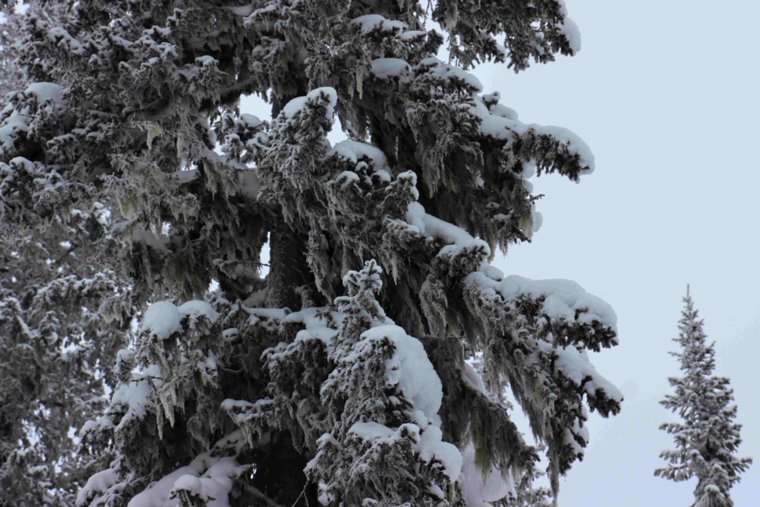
(707, 439)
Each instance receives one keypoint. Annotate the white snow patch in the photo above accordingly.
(576, 366)
(353, 151)
(412, 34)
(479, 490)
(429, 444)
(162, 319)
(315, 96)
(372, 431)
(572, 33)
(411, 370)
(456, 237)
(209, 478)
(502, 128)
(385, 68)
(205, 60)
(45, 91)
(447, 72)
(538, 220)
(472, 378)
(196, 308)
(97, 483)
(264, 314)
(432, 446)
(369, 22)
(135, 395)
(562, 298)
(18, 119)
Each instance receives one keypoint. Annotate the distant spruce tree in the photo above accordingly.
(708, 438)
(130, 181)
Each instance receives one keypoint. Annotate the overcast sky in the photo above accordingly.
(666, 95)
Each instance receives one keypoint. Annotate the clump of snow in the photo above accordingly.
(207, 477)
(162, 319)
(97, 483)
(504, 127)
(412, 34)
(17, 120)
(372, 431)
(456, 237)
(135, 396)
(205, 60)
(576, 366)
(196, 308)
(472, 378)
(528, 170)
(492, 272)
(538, 220)
(479, 489)
(572, 33)
(446, 72)
(370, 22)
(251, 120)
(45, 91)
(573, 142)
(347, 178)
(429, 447)
(353, 151)
(411, 370)
(314, 320)
(563, 299)
(570, 29)
(385, 68)
(315, 96)
(294, 106)
(504, 112)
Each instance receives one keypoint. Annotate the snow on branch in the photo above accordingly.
(207, 478)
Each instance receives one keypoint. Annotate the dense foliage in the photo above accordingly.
(137, 202)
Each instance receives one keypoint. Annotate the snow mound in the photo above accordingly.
(206, 477)
(479, 489)
(97, 483)
(456, 237)
(196, 308)
(385, 68)
(576, 366)
(503, 126)
(353, 151)
(45, 91)
(429, 447)
(162, 319)
(135, 396)
(411, 370)
(563, 299)
(446, 72)
(17, 120)
(370, 22)
(316, 96)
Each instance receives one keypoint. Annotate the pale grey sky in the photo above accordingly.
(666, 95)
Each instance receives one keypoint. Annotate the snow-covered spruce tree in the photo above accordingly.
(11, 76)
(340, 376)
(707, 439)
(65, 304)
